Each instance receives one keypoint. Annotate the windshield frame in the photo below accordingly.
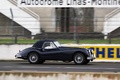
(57, 43)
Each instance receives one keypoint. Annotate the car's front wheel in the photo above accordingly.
(79, 58)
(33, 58)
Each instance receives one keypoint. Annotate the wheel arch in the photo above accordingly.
(79, 52)
(38, 53)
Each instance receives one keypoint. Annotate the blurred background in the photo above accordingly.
(67, 25)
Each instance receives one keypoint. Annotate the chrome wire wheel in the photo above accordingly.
(79, 58)
(33, 58)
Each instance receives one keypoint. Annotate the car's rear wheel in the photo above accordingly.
(33, 58)
(79, 58)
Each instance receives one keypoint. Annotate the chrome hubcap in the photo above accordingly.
(33, 58)
(78, 59)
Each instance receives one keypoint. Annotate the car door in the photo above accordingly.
(50, 51)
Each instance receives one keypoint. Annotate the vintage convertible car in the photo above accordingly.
(52, 50)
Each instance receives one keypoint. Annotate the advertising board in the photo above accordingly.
(106, 52)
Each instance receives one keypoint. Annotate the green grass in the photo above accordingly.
(94, 41)
(63, 41)
(19, 41)
(86, 41)
(26, 41)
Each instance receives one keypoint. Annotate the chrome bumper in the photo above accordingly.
(91, 55)
(18, 56)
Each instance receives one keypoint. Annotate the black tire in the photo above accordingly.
(33, 58)
(79, 58)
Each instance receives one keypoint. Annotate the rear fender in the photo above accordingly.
(35, 51)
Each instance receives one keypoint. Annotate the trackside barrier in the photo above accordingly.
(106, 52)
(59, 76)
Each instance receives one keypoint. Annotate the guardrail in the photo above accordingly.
(111, 14)
(26, 10)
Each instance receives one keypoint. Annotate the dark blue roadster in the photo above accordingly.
(52, 50)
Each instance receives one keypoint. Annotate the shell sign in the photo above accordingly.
(106, 52)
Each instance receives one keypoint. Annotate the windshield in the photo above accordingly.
(57, 44)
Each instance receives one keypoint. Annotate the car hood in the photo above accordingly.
(76, 48)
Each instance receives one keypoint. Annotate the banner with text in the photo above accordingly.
(106, 52)
(69, 3)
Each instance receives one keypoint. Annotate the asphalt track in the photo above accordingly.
(55, 66)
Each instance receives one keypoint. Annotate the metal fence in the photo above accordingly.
(82, 38)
